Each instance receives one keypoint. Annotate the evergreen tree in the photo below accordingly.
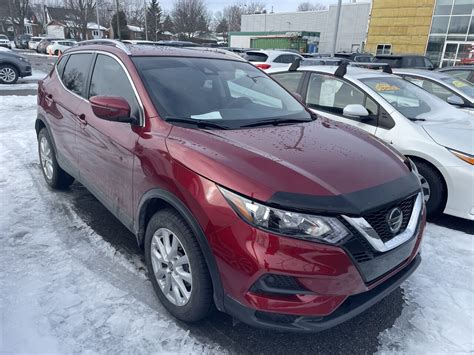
(124, 33)
(153, 18)
(168, 24)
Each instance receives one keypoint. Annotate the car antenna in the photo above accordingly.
(387, 69)
(295, 65)
(341, 70)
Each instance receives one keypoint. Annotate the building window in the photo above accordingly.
(440, 24)
(443, 7)
(459, 24)
(463, 7)
(384, 48)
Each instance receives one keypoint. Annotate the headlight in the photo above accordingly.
(23, 59)
(291, 224)
(468, 158)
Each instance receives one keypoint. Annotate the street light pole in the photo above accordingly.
(146, 24)
(336, 28)
(118, 21)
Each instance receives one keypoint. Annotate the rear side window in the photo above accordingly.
(460, 74)
(290, 80)
(256, 57)
(76, 71)
(285, 58)
(109, 79)
(62, 63)
(393, 62)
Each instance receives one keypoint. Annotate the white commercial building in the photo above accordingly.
(352, 27)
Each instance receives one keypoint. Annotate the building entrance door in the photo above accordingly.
(457, 53)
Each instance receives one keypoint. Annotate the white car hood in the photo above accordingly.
(455, 134)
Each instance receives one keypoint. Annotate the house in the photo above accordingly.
(62, 22)
(6, 26)
(93, 32)
(134, 33)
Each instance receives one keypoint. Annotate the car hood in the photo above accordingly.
(455, 134)
(295, 162)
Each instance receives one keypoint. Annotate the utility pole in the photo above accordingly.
(97, 16)
(118, 22)
(336, 28)
(146, 24)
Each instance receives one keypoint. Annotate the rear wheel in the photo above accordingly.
(434, 189)
(55, 177)
(177, 268)
(8, 74)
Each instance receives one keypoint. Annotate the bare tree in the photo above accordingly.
(84, 11)
(17, 12)
(308, 6)
(190, 16)
(233, 13)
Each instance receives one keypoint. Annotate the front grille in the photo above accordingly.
(378, 219)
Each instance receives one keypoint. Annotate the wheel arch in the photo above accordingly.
(40, 123)
(157, 199)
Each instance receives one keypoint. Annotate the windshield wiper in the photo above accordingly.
(275, 122)
(197, 123)
(416, 119)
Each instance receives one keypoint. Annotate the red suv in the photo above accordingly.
(239, 195)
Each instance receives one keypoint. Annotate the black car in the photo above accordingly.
(465, 72)
(12, 67)
(405, 61)
(355, 57)
(21, 41)
(44, 43)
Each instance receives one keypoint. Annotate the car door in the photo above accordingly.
(62, 98)
(328, 95)
(105, 148)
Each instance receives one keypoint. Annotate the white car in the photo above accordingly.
(33, 43)
(437, 137)
(5, 42)
(59, 46)
(454, 91)
(266, 59)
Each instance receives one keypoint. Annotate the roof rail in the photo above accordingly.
(107, 42)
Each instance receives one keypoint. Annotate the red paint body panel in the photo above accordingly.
(120, 163)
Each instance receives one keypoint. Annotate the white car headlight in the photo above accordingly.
(291, 224)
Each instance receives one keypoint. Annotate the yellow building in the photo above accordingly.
(399, 26)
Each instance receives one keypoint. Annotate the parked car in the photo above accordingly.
(21, 41)
(238, 194)
(465, 72)
(12, 67)
(355, 57)
(405, 61)
(33, 43)
(454, 91)
(58, 47)
(266, 59)
(5, 41)
(44, 43)
(432, 133)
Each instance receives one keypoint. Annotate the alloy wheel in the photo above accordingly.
(171, 266)
(425, 187)
(46, 157)
(7, 75)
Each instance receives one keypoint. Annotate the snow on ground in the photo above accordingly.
(64, 289)
(26, 83)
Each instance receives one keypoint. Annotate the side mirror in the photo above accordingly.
(455, 100)
(111, 108)
(355, 111)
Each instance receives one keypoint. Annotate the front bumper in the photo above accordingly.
(460, 181)
(351, 307)
(24, 69)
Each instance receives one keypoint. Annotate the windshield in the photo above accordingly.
(410, 100)
(464, 86)
(3, 37)
(230, 93)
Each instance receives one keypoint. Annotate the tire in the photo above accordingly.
(199, 303)
(55, 177)
(8, 74)
(433, 186)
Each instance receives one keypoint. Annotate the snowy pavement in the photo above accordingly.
(64, 288)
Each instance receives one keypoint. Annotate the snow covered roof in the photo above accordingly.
(134, 28)
(93, 26)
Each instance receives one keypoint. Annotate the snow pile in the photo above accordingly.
(439, 313)
(60, 293)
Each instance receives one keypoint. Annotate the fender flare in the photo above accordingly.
(40, 118)
(175, 202)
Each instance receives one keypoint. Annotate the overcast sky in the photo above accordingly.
(278, 5)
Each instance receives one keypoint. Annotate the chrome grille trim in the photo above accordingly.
(369, 233)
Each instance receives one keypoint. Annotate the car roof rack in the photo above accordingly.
(342, 68)
(107, 42)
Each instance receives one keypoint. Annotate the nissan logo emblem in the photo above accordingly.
(395, 220)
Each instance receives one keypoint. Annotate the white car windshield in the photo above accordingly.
(410, 100)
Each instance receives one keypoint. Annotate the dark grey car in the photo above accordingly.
(12, 67)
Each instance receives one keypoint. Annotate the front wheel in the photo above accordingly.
(55, 177)
(177, 268)
(434, 190)
(8, 74)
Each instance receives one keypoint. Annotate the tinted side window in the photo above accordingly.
(285, 58)
(460, 74)
(109, 79)
(61, 64)
(289, 80)
(431, 87)
(76, 71)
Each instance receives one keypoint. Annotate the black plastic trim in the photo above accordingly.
(195, 227)
(353, 306)
(352, 204)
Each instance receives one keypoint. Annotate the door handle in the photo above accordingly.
(82, 118)
(49, 99)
